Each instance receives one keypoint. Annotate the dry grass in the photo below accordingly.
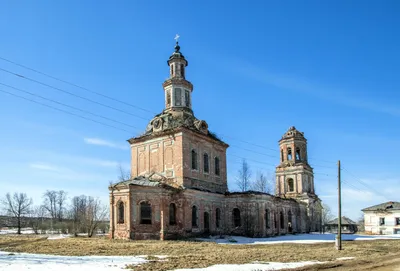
(187, 254)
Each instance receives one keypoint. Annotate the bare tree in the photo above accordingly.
(37, 216)
(50, 203)
(87, 214)
(123, 174)
(61, 198)
(95, 214)
(18, 206)
(54, 203)
(262, 183)
(326, 214)
(243, 178)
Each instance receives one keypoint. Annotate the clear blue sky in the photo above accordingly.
(330, 68)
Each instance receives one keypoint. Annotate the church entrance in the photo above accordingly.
(206, 222)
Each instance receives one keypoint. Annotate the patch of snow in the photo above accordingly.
(14, 231)
(37, 262)
(296, 238)
(345, 258)
(253, 266)
(57, 237)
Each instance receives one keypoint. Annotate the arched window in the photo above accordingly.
(194, 216)
(282, 156)
(172, 214)
(216, 162)
(298, 154)
(121, 212)
(194, 159)
(267, 219)
(275, 221)
(290, 184)
(172, 70)
(206, 165)
(145, 213)
(289, 154)
(282, 222)
(217, 218)
(236, 217)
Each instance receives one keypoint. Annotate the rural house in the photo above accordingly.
(383, 218)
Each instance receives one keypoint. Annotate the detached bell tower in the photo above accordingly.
(294, 176)
(178, 90)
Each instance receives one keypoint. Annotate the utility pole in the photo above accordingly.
(339, 236)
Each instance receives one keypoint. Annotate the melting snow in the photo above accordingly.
(38, 262)
(297, 238)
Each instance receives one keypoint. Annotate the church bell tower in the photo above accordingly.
(294, 176)
(178, 90)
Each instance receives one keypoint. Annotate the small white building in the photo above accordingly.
(383, 218)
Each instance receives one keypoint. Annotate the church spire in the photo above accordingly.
(177, 89)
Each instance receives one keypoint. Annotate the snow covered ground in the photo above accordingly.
(37, 262)
(298, 238)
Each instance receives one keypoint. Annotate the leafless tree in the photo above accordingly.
(95, 214)
(243, 178)
(50, 203)
(326, 214)
(54, 203)
(36, 220)
(262, 183)
(18, 206)
(123, 174)
(61, 198)
(87, 213)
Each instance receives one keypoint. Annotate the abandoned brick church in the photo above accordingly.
(178, 184)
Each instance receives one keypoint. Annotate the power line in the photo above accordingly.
(69, 106)
(64, 111)
(70, 93)
(111, 98)
(364, 184)
(98, 122)
(75, 85)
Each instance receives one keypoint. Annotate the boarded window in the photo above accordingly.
(183, 70)
(145, 213)
(194, 216)
(236, 217)
(206, 165)
(217, 218)
(178, 97)
(172, 214)
(216, 162)
(121, 212)
(282, 156)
